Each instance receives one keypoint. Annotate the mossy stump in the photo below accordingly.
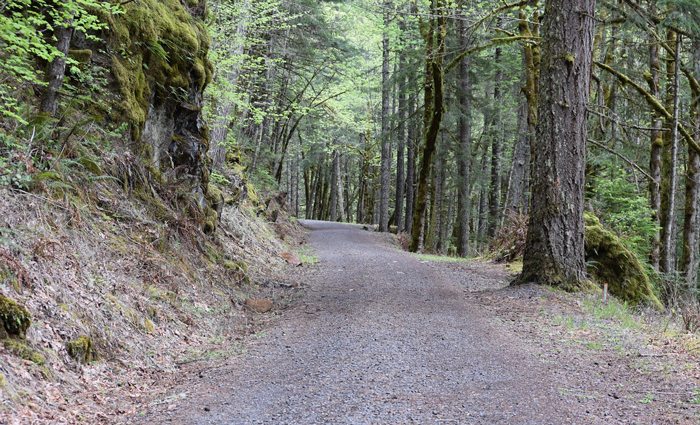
(610, 261)
(14, 319)
(82, 350)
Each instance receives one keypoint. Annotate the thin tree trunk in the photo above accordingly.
(554, 250)
(400, 148)
(410, 166)
(656, 149)
(494, 186)
(334, 186)
(464, 148)
(385, 182)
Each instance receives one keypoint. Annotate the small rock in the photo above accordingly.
(261, 306)
(291, 258)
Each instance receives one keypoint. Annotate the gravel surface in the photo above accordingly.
(380, 337)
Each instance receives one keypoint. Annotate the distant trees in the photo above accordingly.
(427, 117)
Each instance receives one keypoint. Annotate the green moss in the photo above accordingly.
(82, 350)
(610, 261)
(47, 175)
(199, 73)
(210, 220)
(82, 56)
(148, 326)
(240, 267)
(22, 350)
(159, 47)
(14, 319)
(215, 197)
(3, 381)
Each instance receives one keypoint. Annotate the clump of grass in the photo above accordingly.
(442, 258)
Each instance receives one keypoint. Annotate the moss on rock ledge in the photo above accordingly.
(14, 319)
(611, 261)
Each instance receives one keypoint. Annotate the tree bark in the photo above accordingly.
(435, 51)
(464, 148)
(692, 186)
(57, 69)
(495, 135)
(385, 182)
(657, 144)
(400, 147)
(410, 166)
(554, 250)
(520, 167)
(669, 169)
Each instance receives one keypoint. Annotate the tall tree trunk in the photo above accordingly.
(495, 133)
(334, 186)
(57, 69)
(657, 143)
(554, 250)
(669, 166)
(400, 147)
(464, 149)
(385, 182)
(337, 211)
(435, 51)
(410, 166)
(692, 185)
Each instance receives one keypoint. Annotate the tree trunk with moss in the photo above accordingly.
(400, 148)
(689, 263)
(434, 35)
(57, 69)
(554, 250)
(669, 166)
(655, 151)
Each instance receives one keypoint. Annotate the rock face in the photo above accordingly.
(156, 56)
(612, 262)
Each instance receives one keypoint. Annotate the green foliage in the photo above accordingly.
(218, 178)
(26, 36)
(626, 212)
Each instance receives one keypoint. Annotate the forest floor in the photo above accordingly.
(384, 336)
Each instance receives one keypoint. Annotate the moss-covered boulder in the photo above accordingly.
(14, 319)
(610, 261)
(82, 350)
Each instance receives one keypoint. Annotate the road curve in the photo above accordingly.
(380, 338)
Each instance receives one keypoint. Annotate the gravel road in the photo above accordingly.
(379, 338)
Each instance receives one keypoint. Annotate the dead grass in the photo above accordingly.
(134, 274)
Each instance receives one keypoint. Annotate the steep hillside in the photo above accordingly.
(119, 259)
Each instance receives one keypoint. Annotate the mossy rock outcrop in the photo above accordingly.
(82, 350)
(610, 261)
(14, 319)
